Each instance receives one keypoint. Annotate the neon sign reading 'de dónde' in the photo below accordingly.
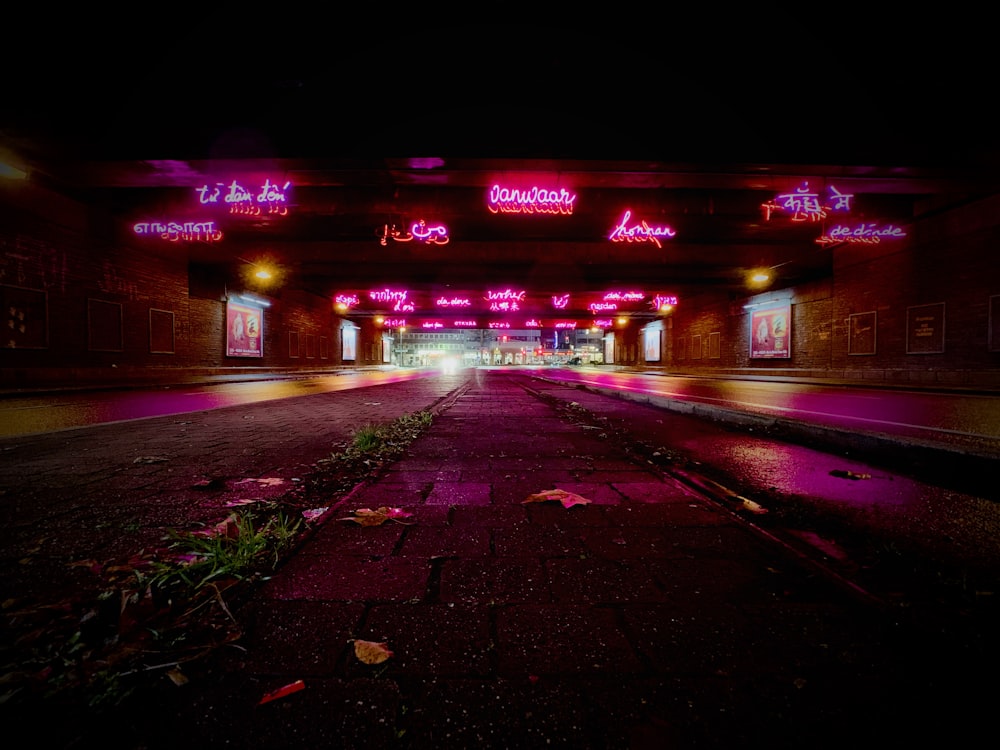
(534, 200)
(869, 234)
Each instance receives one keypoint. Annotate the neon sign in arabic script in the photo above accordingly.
(534, 200)
(419, 230)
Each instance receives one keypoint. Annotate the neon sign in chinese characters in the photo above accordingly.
(505, 301)
(240, 200)
(534, 200)
(190, 231)
(641, 232)
(431, 235)
(869, 234)
(805, 204)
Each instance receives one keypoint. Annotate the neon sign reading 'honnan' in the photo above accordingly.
(868, 234)
(241, 200)
(191, 231)
(641, 232)
(534, 200)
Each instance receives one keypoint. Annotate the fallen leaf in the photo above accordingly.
(371, 652)
(568, 499)
(753, 507)
(848, 474)
(281, 692)
(177, 677)
(369, 517)
(313, 513)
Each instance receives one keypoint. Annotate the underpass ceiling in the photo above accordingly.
(696, 132)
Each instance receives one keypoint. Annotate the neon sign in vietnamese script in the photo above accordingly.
(640, 232)
(534, 200)
(242, 201)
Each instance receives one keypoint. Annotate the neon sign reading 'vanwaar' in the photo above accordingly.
(641, 232)
(534, 200)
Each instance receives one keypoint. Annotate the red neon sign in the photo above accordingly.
(534, 200)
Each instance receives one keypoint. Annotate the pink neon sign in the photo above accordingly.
(534, 200)
(868, 234)
(191, 231)
(397, 298)
(641, 232)
(394, 323)
(241, 200)
(453, 302)
(806, 205)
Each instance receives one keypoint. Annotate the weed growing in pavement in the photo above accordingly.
(160, 610)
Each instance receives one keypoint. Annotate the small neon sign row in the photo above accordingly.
(175, 231)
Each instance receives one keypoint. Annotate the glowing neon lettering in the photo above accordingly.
(805, 205)
(499, 325)
(398, 298)
(869, 233)
(347, 300)
(188, 231)
(534, 200)
(566, 324)
(506, 294)
(624, 296)
(602, 306)
(241, 201)
(560, 302)
(641, 232)
(453, 302)
(663, 300)
(532, 323)
(394, 323)
(432, 324)
(431, 235)
(603, 323)
(465, 324)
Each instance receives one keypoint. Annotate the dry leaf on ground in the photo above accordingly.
(369, 517)
(371, 652)
(568, 499)
(281, 692)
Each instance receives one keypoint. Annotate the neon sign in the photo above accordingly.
(465, 324)
(534, 200)
(501, 324)
(453, 302)
(570, 324)
(805, 204)
(869, 234)
(419, 230)
(191, 231)
(432, 324)
(603, 323)
(505, 301)
(640, 232)
(346, 300)
(560, 302)
(663, 300)
(242, 201)
(532, 323)
(396, 298)
(394, 323)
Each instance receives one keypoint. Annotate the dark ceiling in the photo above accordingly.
(686, 122)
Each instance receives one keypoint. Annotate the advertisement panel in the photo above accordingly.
(244, 330)
(771, 332)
